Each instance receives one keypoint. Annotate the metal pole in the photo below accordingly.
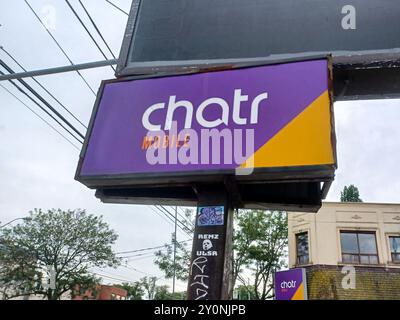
(176, 240)
(43, 72)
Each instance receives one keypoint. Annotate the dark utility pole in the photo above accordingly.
(210, 275)
(175, 242)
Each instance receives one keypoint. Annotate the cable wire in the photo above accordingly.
(113, 278)
(118, 8)
(40, 117)
(97, 29)
(42, 108)
(148, 249)
(88, 32)
(167, 219)
(60, 47)
(172, 218)
(38, 96)
(43, 87)
(181, 225)
(185, 219)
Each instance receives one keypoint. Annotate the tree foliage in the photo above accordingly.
(57, 245)
(165, 260)
(350, 194)
(149, 284)
(260, 248)
(135, 290)
(163, 294)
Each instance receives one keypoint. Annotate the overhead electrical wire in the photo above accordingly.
(148, 249)
(87, 31)
(164, 215)
(118, 8)
(38, 96)
(185, 219)
(141, 250)
(145, 254)
(43, 87)
(181, 225)
(129, 267)
(40, 117)
(60, 47)
(141, 257)
(113, 278)
(97, 29)
(41, 107)
(167, 219)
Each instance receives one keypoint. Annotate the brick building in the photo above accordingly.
(349, 250)
(101, 292)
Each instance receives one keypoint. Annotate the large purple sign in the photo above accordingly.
(276, 116)
(291, 285)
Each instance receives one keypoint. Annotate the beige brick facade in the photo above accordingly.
(325, 264)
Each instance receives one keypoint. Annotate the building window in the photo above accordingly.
(359, 247)
(395, 248)
(302, 248)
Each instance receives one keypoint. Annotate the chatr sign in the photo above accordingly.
(291, 285)
(266, 117)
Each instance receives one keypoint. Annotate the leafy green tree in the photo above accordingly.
(162, 293)
(260, 245)
(165, 260)
(51, 253)
(135, 290)
(350, 194)
(150, 285)
(245, 292)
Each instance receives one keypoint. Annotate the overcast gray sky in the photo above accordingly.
(37, 166)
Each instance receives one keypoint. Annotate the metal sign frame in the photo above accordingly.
(357, 75)
(340, 57)
(266, 187)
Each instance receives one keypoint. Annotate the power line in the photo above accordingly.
(113, 278)
(129, 267)
(172, 217)
(142, 254)
(166, 217)
(43, 87)
(40, 117)
(59, 46)
(161, 215)
(87, 31)
(97, 29)
(141, 257)
(185, 219)
(148, 249)
(41, 107)
(38, 96)
(182, 226)
(141, 250)
(118, 8)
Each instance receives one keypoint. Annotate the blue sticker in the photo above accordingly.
(210, 216)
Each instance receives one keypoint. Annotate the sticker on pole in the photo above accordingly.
(210, 216)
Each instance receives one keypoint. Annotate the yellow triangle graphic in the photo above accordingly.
(303, 142)
(299, 295)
